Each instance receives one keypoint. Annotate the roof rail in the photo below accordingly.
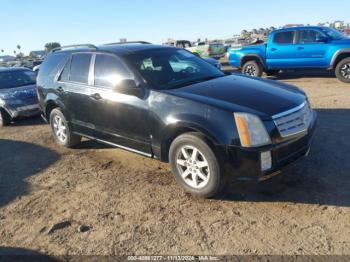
(132, 42)
(73, 46)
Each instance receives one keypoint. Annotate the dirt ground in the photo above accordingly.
(100, 200)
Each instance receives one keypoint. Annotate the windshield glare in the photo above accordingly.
(173, 68)
(334, 34)
(16, 78)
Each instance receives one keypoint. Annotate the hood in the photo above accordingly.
(20, 93)
(238, 93)
(345, 41)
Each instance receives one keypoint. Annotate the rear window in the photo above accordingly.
(16, 78)
(284, 38)
(79, 68)
(51, 64)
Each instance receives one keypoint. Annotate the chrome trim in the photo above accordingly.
(116, 145)
(289, 111)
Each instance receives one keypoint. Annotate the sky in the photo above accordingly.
(32, 23)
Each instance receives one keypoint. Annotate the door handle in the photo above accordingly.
(301, 48)
(96, 96)
(273, 49)
(60, 89)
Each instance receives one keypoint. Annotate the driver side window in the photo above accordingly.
(110, 71)
(309, 36)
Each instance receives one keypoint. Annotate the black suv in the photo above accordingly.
(166, 103)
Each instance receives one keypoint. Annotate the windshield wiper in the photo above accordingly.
(195, 81)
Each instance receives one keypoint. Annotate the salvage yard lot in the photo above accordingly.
(128, 204)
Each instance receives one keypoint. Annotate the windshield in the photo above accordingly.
(334, 34)
(173, 68)
(16, 78)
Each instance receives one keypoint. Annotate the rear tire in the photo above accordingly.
(252, 68)
(342, 71)
(62, 130)
(195, 166)
(5, 118)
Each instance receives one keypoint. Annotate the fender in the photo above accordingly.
(255, 56)
(52, 98)
(337, 54)
(218, 135)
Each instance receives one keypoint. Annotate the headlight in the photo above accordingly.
(251, 130)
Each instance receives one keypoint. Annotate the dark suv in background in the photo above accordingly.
(166, 103)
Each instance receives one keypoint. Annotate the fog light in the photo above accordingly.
(266, 161)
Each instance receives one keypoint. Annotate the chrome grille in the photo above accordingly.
(294, 121)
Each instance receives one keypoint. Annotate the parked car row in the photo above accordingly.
(296, 48)
(205, 50)
(170, 104)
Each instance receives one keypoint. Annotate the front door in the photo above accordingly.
(119, 118)
(312, 48)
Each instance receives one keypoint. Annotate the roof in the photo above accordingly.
(118, 48)
(294, 28)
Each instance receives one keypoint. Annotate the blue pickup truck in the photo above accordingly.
(296, 48)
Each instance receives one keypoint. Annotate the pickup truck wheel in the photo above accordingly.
(252, 68)
(195, 165)
(61, 130)
(5, 119)
(342, 70)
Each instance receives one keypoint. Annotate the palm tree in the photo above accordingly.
(19, 48)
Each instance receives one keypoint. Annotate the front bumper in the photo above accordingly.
(23, 111)
(245, 164)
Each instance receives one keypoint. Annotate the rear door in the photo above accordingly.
(311, 52)
(281, 50)
(74, 89)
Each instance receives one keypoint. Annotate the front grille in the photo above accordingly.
(294, 121)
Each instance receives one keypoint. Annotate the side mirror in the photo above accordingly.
(128, 87)
(322, 39)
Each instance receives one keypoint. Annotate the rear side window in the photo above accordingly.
(65, 73)
(79, 68)
(51, 64)
(284, 38)
(110, 70)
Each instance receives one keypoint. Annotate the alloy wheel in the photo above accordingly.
(250, 70)
(193, 167)
(345, 71)
(60, 129)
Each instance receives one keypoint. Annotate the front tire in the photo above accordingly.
(342, 71)
(252, 68)
(195, 165)
(5, 119)
(61, 130)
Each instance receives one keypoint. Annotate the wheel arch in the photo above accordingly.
(339, 56)
(174, 131)
(51, 104)
(252, 57)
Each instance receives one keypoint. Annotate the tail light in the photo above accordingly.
(209, 50)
